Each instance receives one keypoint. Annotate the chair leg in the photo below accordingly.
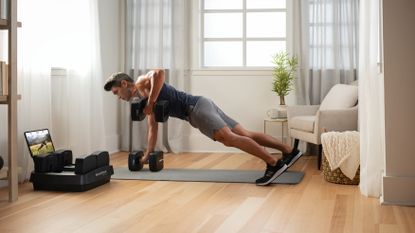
(296, 141)
(320, 152)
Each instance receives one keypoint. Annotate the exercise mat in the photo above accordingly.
(205, 175)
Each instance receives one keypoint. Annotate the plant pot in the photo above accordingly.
(282, 111)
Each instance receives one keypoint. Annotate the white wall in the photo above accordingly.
(399, 78)
(110, 31)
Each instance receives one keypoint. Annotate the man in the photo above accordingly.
(203, 114)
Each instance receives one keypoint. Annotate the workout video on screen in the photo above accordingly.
(40, 142)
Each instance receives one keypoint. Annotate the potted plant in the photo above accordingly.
(284, 74)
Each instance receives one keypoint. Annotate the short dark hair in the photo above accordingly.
(115, 80)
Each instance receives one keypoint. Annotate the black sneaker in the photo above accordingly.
(272, 173)
(292, 157)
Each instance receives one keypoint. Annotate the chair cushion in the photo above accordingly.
(303, 123)
(340, 96)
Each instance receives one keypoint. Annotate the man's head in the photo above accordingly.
(121, 85)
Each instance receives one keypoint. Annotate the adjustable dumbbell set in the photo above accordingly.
(55, 171)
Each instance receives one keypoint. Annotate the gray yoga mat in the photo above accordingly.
(205, 175)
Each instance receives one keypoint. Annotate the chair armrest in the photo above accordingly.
(337, 120)
(302, 110)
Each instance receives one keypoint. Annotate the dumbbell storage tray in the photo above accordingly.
(69, 181)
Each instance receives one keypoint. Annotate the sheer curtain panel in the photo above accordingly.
(52, 37)
(326, 35)
(156, 37)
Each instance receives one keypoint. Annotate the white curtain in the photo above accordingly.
(371, 109)
(53, 35)
(156, 37)
(326, 41)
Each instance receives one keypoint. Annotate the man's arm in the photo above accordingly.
(151, 136)
(156, 83)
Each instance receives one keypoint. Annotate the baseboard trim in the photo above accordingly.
(398, 191)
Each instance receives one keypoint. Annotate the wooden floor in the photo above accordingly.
(314, 205)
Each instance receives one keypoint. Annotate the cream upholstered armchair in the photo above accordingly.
(337, 112)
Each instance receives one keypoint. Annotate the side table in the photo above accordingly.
(283, 128)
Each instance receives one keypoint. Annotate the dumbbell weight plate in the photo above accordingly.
(137, 113)
(156, 161)
(134, 163)
(85, 165)
(161, 110)
(103, 158)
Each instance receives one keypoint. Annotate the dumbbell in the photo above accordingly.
(134, 161)
(160, 109)
(57, 161)
(64, 160)
(85, 165)
(46, 163)
(156, 161)
(103, 158)
(91, 162)
(1, 162)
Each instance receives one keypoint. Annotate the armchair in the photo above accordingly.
(338, 112)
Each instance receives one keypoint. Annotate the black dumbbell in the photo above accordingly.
(134, 160)
(68, 165)
(156, 161)
(103, 158)
(137, 110)
(46, 163)
(161, 110)
(85, 165)
(1, 162)
(64, 158)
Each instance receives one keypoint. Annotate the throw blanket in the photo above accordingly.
(342, 149)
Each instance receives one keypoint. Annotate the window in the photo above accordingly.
(242, 33)
(333, 34)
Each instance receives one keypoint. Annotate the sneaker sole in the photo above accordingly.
(296, 157)
(275, 176)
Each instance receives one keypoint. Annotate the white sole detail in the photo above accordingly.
(296, 157)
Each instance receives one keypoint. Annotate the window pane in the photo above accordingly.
(223, 25)
(222, 4)
(227, 53)
(260, 53)
(265, 4)
(258, 24)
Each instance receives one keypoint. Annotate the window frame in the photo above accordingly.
(198, 55)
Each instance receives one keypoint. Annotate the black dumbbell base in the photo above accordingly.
(69, 181)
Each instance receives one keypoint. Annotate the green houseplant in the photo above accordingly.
(284, 74)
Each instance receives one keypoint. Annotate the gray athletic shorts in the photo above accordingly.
(207, 117)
